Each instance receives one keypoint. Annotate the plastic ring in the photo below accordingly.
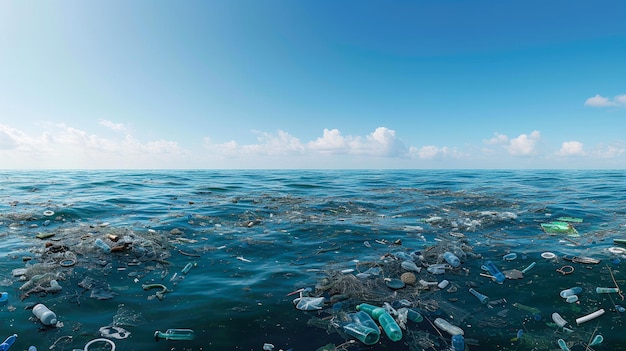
(617, 250)
(48, 213)
(548, 255)
(565, 270)
(100, 339)
(67, 263)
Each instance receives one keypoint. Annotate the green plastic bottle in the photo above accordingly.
(390, 327)
(175, 334)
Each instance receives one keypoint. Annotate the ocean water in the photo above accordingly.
(252, 237)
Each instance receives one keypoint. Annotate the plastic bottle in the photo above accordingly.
(484, 299)
(571, 298)
(363, 328)
(458, 342)
(443, 284)
(558, 320)
(175, 334)
(44, 314)
(364, 334)
(447, 327)
(452, 259)
(8, 342)
(571, 291)
(600, 290)
(102, 245)
(32, 348)
(436, 269)
(414, 316)
(390, 327)
(493, 270)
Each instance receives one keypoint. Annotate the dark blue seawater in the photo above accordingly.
(255, 236)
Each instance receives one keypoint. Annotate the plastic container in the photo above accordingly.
(102, 245)
(571, 291)
(175, 334)
(443, 284)
(484, 299)
(44, 314)
(458, 342)
(4, 298)
(493, 270)
(32, 348)
(447, 327)
(571, 299)
(8, 342)
(452, 259)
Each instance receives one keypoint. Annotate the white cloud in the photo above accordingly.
(523, 145)
(430, 152)
(381, 142)
(269, 145)
(62, 146)
(331, 142)
(601, 101)
(608, 151)
(118, 127)
(497, 139)
(571, 148)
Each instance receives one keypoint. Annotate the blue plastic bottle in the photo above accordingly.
(458, 342)
(8, 342)
(493, 270)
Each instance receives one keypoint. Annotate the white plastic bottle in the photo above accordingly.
(44, 314)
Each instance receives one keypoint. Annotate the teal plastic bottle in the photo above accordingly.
(386, 321)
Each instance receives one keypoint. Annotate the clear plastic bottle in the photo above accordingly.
(558, 320)
(102, 245)
(452, 259)
(601, 290)
(363, 328)
(175, 334)
(447, 327)
(571, 291)
(44, 314)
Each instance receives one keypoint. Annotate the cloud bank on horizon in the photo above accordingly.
(60, 146)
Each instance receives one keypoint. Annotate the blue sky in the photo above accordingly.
(312, 84)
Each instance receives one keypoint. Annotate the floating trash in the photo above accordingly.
(559, 228)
